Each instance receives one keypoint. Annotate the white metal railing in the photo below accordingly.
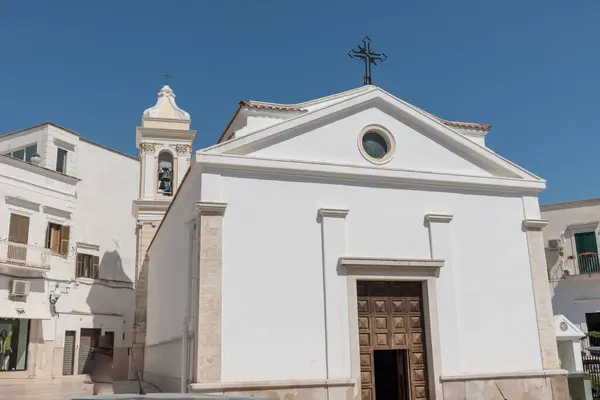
(24, 255)
(588, 263)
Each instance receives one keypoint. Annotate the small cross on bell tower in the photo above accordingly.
(368, 57)
(167, 77)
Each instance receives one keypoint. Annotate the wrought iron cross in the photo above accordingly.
(167, 77)
(368, 57)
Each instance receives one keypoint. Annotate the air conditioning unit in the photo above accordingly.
(555, 244)
(19, 288)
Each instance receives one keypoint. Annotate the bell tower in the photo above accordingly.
(165, 143)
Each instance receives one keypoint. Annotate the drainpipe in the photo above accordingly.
(187, 320)
(184, 358)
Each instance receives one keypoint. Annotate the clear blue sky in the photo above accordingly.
(530, 68)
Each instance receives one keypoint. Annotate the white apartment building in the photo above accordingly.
(76, 219)
(67, 252)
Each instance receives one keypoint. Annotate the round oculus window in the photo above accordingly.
(375, 145)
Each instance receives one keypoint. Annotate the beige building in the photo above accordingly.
(571, 241)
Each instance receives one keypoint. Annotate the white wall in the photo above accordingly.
(168, 270)
(337, 143)
(167, 283)
(272, 277)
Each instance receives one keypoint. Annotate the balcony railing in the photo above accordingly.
(588, 263)
(582, 264)
(24, 255)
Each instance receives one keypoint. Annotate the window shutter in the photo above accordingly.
(64, 240)
(19, 229)
(79, 268)
(48, 236)
(96, 267)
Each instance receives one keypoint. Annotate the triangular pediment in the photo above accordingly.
(566, 330)
(332, 134)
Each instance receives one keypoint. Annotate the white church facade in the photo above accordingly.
(349, 246)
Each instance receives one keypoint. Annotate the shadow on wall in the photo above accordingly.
(554, 269)
(111, 267)
(112, 297)
(108, 296)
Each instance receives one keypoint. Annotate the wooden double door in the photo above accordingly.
(392, 340)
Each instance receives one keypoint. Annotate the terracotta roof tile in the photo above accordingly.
(281, 107)
(467, 125)
(263, 106)
(266, 106)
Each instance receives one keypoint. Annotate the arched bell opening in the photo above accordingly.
(165, 174)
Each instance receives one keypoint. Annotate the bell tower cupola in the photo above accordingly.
(165, 144)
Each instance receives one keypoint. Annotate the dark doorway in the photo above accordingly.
(592, 321)
(88, 340)
(390, 374)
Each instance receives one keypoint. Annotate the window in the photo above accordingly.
(587, 252)
(87, 266)
(14, 338)
(24, 153)
(61, 161)
(376, 144)
(57, 238)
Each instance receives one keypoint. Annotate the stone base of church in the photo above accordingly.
(553, 386)
(330, 389)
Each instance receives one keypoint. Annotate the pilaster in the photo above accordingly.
(447, 285)
(541, 292)
(335, 293)
(209, 232)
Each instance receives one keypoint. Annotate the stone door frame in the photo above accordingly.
(377, 269)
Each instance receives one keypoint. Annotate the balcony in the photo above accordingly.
(20, 255)
(586, 264)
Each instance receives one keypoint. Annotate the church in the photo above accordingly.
(348, 247)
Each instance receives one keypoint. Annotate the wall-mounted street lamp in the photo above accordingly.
(53, 297)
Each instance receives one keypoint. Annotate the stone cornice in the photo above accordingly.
(210, 207)
(370, 174)
(333, 212)
(535, 223)
(438, 217)
(390, 262)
